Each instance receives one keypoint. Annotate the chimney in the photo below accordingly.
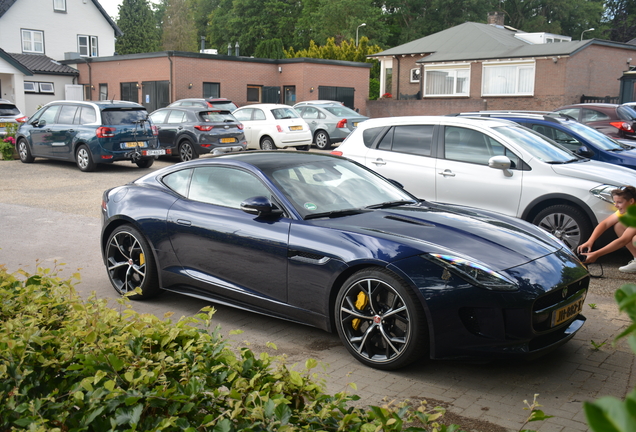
(496, 18)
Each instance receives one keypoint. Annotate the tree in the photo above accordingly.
(620, 20)
(179, 31)
(136, 21)
(272, 49)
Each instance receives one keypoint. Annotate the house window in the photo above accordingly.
(30, 87)
(444, 81)
(129, 92)
(103, 91)
(388, 80)
(211, 90)
(508, 79)
(87, 46)
(253, 93)
(33, 41)
(59, 5)
(47, 87)
(415, 75)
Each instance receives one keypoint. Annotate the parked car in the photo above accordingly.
(319, 102)
(193, 131)
(333, 245)
(330, 123)
(9, 113)
(581, 139)
(616, 121)
(273, 126)
(90, 133)
(217, 103)
(492, 164)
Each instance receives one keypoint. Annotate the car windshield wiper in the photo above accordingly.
(390, 204)
(335, 213)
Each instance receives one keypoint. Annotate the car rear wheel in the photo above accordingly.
(130, 264)
(145, 163)
(322, 141)
(566, 223)
(268, 144)
(186, 151)
(24, 152)
(84, 159)
(380, 320)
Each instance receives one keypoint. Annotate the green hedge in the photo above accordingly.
(69, 364)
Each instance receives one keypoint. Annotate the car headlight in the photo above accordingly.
(473, 272)
(604, 192)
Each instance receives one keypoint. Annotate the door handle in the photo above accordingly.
(184, 222)
(180, 127)
(378, 161)
(447, 173)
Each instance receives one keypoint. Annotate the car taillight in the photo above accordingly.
(624, 126)
(105, 132)
(155, 130)
(342, 123)
(204, 128)
(336, 152)
(279, 129)
(22, 119)
(240, 126)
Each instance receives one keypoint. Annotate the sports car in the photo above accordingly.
(321, 240)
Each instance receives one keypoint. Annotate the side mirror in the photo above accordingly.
(260, 206)
(585, 152)
(39, 123)
(499, 162)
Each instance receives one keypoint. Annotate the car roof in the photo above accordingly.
(6, 101)
(100, 104)
(540, 116)
(598, 105)
(448, 120)
(266, 106)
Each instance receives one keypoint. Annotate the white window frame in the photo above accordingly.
(30, 87)
(28, 37)
(59, 5)
(516, 69)
(47, 87)
(385, 63)
(90, 46)
(452, 70)
(416, 75)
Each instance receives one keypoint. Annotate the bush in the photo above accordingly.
(71, 365)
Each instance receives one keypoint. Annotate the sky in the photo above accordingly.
(111, 6)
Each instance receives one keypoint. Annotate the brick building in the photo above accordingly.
(157, 79)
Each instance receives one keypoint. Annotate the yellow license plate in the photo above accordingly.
(355, 124)
(135, 144)
(228, 140)
(295, 128)
(3, 125)
(566, 312)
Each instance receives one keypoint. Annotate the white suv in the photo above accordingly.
(491, 164)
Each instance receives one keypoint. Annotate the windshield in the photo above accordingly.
(341, 111)
(335, 185)
(536, 144)
(626, 112)
(114, 117)
(595, 137)
(8, 109)
(284, 113)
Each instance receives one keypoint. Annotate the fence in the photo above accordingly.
(599, 99)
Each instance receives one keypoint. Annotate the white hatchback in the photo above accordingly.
(273, 126)
(491, 164)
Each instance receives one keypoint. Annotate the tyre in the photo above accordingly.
(24, 152)
(302, 148)
(186, 151)
(380, 320)
(130, 263)
(84, 159)
(267, 144)
(322, 141)
(565, 222)
(145, 163)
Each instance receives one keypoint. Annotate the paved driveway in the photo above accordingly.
(49, 213)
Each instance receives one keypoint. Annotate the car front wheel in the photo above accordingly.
(24, 152)
(566, 223)
(130, 264)
(380, 320)
(84, 159)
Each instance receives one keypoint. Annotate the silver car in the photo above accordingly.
(9, 113)
(330, 122)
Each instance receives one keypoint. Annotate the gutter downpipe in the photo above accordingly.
(397, 87)
(90, 76)
(171, 81)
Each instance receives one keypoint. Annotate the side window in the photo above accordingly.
(158, 117)
(244, 114)
(67, 114)
(387, 140)
(593, 115)
(572, 112)
(310, 113)
(413, 139)
(369, 135)
(176, 117)
(223, 186)
(179, 181)
(562, 137)
(259, 115)
(50, 114)
(87, 115)
(468, 145)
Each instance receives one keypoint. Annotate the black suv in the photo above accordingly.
(217, 103)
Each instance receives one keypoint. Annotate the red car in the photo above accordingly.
(616, 121)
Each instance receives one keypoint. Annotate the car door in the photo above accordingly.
(233, 253)
(158, 118)
(42, 138)
(311, 115)
(245, 116)
(464, 177)
(63, 132)
(405, 154)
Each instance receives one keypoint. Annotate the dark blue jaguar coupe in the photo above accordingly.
(320, 240)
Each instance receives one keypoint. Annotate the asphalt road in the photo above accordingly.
(49, 217)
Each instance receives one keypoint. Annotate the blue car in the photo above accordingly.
(90, 133)
(576, 137)
(321, 240)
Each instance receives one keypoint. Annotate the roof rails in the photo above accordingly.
(545, 115)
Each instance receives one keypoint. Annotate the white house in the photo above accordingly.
(35, 34)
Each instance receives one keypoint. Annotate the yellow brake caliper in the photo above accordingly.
(361, 302)
(142, 259)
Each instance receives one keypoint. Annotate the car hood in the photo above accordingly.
(600, 172)
(495, 240)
